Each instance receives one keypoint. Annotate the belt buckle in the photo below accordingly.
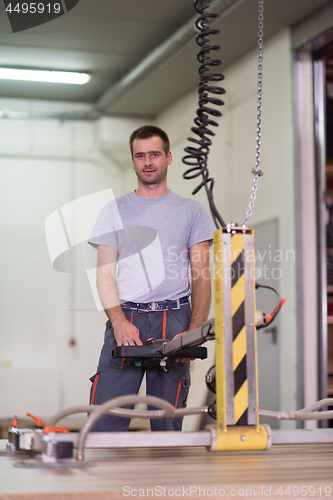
(178, 304)
(150, 306)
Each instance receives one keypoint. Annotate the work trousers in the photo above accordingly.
(120, 377)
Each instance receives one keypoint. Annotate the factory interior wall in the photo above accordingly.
(50, 329)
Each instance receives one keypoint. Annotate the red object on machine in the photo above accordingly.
(269, 316)
(37, 420)
(15, 421)
(49, 428)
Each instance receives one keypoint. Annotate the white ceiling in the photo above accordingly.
(108, 38)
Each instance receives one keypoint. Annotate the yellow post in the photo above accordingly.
(220, 381)
(235, 342)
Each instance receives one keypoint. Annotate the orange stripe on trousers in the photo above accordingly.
(94, 389)
(164, 326)
(123, 359)
(178, 391)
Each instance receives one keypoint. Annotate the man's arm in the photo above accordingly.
(201, 284)
(124, 331)
(201, 288)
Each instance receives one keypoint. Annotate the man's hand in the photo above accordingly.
(182, 360)
(126, 333)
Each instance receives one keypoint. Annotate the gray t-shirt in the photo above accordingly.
(152, 239)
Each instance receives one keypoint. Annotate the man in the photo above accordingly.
(151, 235)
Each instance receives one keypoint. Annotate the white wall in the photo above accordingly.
(46, 164)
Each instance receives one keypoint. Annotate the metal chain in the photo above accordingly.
(256, 171)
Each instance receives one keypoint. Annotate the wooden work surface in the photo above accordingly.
(177, 472)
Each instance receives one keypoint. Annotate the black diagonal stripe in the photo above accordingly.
(237, 268)
(238, 320)
(240, 375)
(243, 419)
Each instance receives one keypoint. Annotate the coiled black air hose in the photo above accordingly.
(197, 156)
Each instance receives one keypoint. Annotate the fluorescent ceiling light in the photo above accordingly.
(44, 76)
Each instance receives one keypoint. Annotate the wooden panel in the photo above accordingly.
(182, 472)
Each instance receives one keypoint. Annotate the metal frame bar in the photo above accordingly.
(228, 368)
(252, 369)
(109, 440)
(319, 97)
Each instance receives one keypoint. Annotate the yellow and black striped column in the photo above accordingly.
(236, 363)
(238, 329)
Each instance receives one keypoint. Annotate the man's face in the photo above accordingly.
(150, 161)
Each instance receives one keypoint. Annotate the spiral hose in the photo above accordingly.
(197, 156)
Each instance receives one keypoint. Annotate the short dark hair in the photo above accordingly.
(147, 131)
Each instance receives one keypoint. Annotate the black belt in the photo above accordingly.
(156, 306)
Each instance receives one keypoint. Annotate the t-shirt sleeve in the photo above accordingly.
(107, 225)
(202, 227)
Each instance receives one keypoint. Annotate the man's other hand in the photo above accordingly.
(126, 333)
(182, 360)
